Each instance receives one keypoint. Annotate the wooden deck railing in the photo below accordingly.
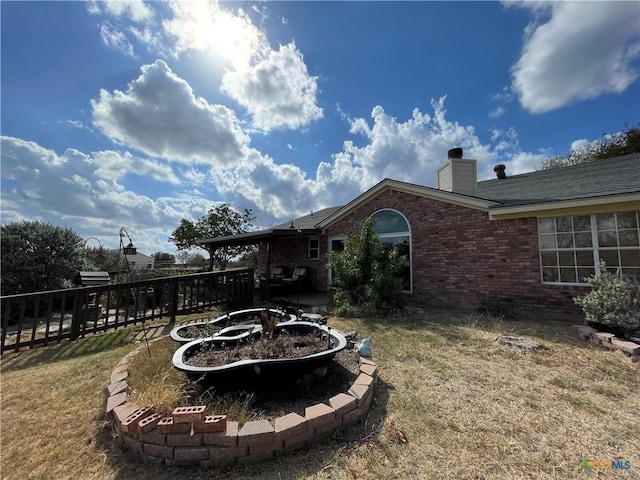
(43, 317)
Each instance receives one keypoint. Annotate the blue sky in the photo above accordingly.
(137, 114)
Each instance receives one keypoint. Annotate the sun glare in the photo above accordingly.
(204, 26)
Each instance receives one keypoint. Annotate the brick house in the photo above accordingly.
(513, 243)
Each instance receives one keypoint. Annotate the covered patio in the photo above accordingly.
(289, 254)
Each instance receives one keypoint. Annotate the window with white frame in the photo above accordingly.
(572, 247)
(314, 248)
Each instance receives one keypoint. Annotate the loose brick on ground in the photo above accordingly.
(188, 414)
(212, 423)
(149, 423)
(166, 425)
(130, 424)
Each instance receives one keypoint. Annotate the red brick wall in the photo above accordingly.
(460, 257)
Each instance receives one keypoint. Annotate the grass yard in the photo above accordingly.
(451, 404)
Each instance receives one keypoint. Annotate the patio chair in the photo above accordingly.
(299, 278)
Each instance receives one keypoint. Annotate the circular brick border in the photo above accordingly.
(190, 437)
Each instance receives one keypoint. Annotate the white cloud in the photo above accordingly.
(81, 191)
(277, 91)
(160, 116)
(135, 10)
(579, 51)
(116, 39)
(496, 112)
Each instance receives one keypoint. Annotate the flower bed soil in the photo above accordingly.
(281, 346)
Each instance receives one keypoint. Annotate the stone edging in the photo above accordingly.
(610, 341)
(189, 437)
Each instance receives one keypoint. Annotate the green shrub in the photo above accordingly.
(612, 301)
(367, 275)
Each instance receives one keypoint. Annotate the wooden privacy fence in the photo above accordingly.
(42, 317)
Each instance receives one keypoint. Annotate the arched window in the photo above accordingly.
(392, 227)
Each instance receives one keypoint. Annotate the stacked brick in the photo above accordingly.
(610, 341)
(188, 436)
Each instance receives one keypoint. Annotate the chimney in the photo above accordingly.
(457, 174)
(500, 173)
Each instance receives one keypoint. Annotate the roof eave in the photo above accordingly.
(577, 206)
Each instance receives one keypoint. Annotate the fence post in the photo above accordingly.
(173, 300)
(79, 313)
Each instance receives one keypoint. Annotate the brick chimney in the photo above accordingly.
(457, 174)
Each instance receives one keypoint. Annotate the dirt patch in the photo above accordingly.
(290, 345)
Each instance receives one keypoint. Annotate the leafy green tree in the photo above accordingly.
(219, 221)
(38, 256)
(609, 146)
(367, 274)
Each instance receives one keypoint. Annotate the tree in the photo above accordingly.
(219, 221)
(103, 260)
(611, 145)
(38, 256)
(367, 274)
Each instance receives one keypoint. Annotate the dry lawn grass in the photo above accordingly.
(469, 408)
